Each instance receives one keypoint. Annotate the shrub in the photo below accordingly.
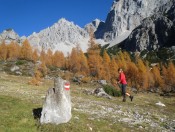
(111, 90)
(20, 62)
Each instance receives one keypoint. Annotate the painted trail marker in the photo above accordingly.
(67, 86)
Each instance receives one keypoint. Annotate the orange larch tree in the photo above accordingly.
(132, 74)
(170, 76)
(43, 69)
(143, 79)
(35, 56)
(106, 63)
(42, 56)
(95, 60)
(36, 79)
(164, 73)
(158, 81)
(49, 57)
(26, 50)
(67, 62)
(84, 69)
(3, 51)
(13, 50)
(58, 59)
(113, 67)
(74, 61)
(122, 59)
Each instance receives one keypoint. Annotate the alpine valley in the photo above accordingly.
(133, 25)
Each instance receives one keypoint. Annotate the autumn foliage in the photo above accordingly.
(93, 65)
(36, 79)
(26, 51)
(3, 51)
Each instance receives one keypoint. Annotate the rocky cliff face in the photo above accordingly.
(9, 35)
(150, 21)
(154, 32)
(93, 25)
(126, 15)
(171, 11)
(63, 36)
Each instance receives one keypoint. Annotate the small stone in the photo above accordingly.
(140, 127)
(77, 118)
(160, 104)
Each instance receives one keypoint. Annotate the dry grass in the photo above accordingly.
(88, 112)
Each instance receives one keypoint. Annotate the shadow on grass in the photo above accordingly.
(37, 113)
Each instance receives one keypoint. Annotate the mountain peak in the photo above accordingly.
(63, 36)
(63, 20)
(96, 22)
(9, 30)
(125, 15)
(93, 25)
(9, 35)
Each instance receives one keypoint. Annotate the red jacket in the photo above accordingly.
(122, 78)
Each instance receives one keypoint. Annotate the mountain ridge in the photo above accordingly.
(123, 19)
(63, 34)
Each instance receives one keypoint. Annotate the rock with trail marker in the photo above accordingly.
(57, 104)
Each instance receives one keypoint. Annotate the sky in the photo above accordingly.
(28, 16)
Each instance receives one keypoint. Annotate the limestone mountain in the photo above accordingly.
(148, 23)
(93, 25)
(154, 32)
(62, 36)
(126, 15)
(9, 35)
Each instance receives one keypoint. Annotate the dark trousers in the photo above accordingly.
(123, 88)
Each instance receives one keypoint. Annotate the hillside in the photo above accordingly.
(89, 113)
(63, 36)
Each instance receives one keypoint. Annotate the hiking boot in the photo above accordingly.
(131, 97)
(124, 99)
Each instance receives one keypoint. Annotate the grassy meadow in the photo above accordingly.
(89, 113)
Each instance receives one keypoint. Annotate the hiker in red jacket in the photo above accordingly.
(122, 81)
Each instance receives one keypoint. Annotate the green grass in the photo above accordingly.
(84, 124)
(18, 99)
(16, 115)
